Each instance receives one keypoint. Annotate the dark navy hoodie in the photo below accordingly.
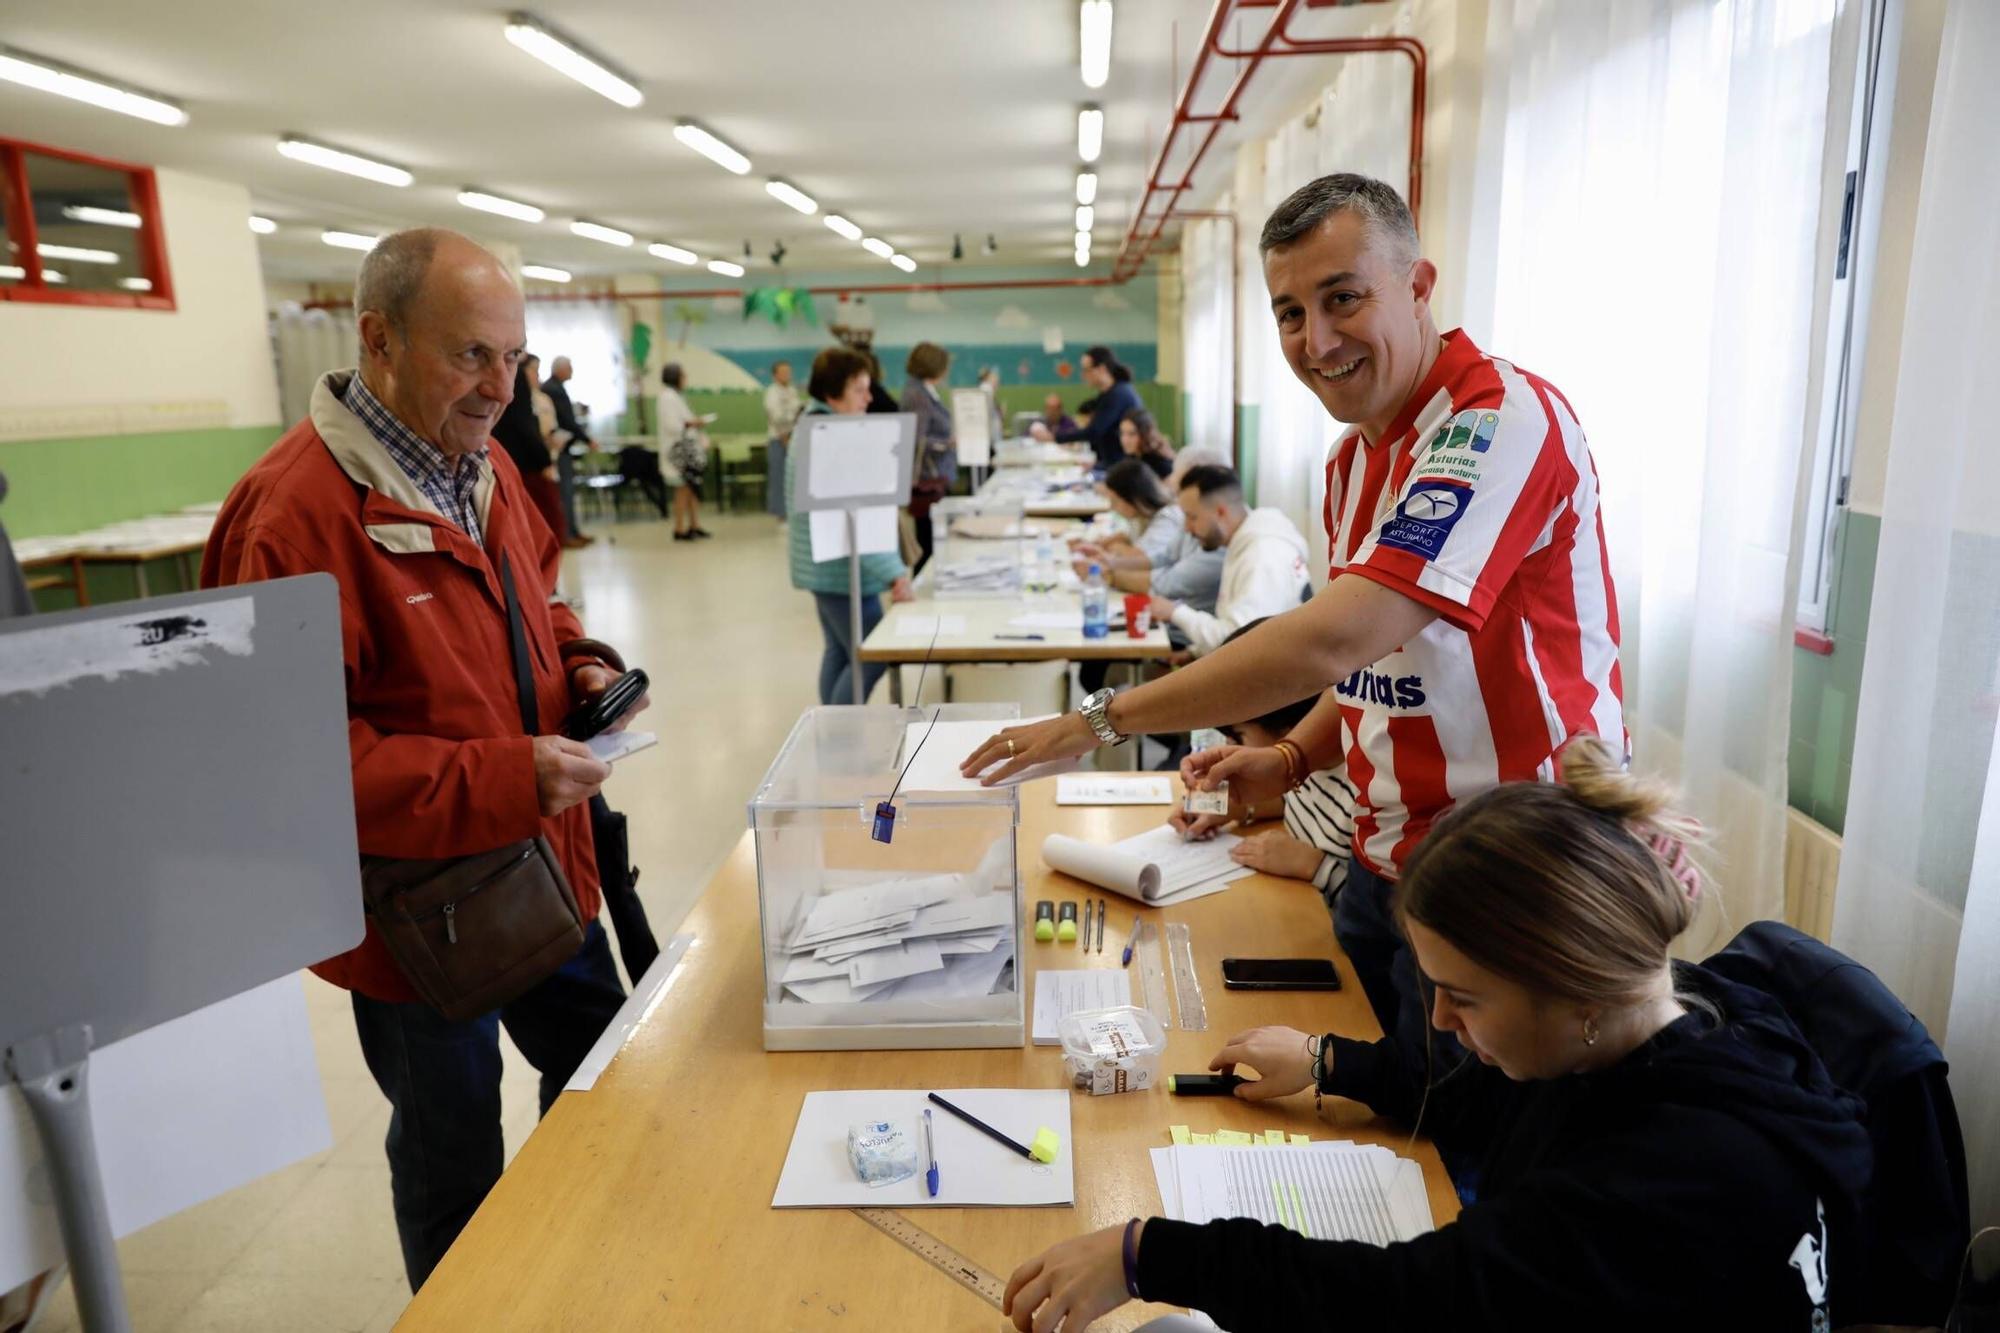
(1708, 1180)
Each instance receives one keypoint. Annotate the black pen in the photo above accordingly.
(1021, 638)
(997, 1136)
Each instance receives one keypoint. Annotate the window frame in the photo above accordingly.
(17, 207)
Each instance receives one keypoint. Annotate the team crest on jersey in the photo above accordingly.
(1423, 521)
(1456, 448)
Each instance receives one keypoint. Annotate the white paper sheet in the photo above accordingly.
(935, 766)
(1330, 1191)
(1113, 789)
(905, 960)
(874, 529)
(611, 746)
(1069, 620)
(1061, 992)
(973, 1170)
(854, 457)
(972, 426)
(903, 625)
(1148, 868)
(963, 978)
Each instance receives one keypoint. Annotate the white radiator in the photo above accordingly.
(1812, 870)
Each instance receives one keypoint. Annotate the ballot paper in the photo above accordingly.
(931, 755)
(1323, 1191)
(1060, 992)
(611, 746)
(1156, 867)
(928, 937)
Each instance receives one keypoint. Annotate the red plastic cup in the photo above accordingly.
(1138, 614)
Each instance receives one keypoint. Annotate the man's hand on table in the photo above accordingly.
(1017, 748)
(1163, 609)
(590, 680)
(566, 772)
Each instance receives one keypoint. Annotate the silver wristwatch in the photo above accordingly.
(1096, 711)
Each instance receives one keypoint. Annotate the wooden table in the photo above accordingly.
(183, 553)
(645, 1203)
(986, 619)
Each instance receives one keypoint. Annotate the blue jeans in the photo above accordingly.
(442, 1080)
(774, 478)
(836, 663)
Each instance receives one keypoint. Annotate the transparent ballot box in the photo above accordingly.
(979, 546)
(910, 943)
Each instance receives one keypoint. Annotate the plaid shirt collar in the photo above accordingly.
(448, 487)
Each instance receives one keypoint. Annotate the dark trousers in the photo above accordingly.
(566, 481)
(836, 663)
(442, 1080)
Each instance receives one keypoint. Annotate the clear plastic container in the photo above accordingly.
(980, 547)
(1112, 1050)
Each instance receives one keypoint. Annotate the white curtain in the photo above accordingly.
(1919, 895)
(1208, 333)
(1650, 190)
(307, 344)
(592, 336)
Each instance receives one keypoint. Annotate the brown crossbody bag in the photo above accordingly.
(472, 932)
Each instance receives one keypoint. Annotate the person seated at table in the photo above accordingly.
(1263, 574)
(1139, 436)
(1135, 495)
(1661, 1147)
(1317, 840)
(1105, 373)
(1055, 417)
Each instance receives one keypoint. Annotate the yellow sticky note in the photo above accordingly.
(1275, 1136)
(1203, 1138)
(1179, 1133)
(1233, 1136)
(1299, 1139)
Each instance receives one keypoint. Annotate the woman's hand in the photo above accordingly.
(1198, 828)
(1070, 1284)
(1278, 1055)
(902, 591)
(1067, 736)
(1254, 773)
(1277, 853)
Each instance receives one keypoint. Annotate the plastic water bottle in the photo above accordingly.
(1045, 548)
(1096, 605)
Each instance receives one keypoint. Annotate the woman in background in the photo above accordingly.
(1139, 436)
(520, 433)
(683, 444)
(937, 449)
(1115, 397)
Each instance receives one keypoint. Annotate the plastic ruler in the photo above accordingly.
(1187, 989)
(981, 1283)
(1152, 971)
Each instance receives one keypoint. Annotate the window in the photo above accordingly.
(78, 230)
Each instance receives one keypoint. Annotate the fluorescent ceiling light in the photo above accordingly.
(725, 268)
(261, 225)
(349, 240)
(50, 275)
(13, 271)
(1094, 25)
(1086, 217)
(506, 208)
(33, 72)
(1083, 258)
(563, 55)
(1083, 240)
(842, 227)
(1086, 187)
(597, 231)
(335, 159)
(545, 273)
(875, 245)
(904, 262)
(136, 284)
(76, 252)
(712, 148)
(105, 217)
(1089, 132)
(791, 196)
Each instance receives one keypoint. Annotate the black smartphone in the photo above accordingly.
(592, 716)
(1280, 974)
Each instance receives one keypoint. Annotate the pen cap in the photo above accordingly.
(1046, 1145)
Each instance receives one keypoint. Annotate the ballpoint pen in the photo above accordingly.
(930, 1154)
(1021, 638)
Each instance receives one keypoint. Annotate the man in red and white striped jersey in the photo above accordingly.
(1470, 629)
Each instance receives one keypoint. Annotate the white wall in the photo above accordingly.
(57, 363)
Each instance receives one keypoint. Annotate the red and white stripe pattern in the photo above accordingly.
(1481, 502)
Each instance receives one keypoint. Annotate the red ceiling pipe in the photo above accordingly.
(1276, 41)
(842, 289)
(1235, 334)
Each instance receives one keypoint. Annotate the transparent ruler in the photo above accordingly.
(1187, 989)
(981, 1283)
(1152, 970)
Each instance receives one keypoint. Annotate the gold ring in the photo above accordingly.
(1010, 749)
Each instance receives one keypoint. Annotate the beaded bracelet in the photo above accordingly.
(1316, 1048)
(1132, 1260)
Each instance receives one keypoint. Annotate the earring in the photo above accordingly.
(1590, 1029)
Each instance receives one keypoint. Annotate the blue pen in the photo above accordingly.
(930, 1153)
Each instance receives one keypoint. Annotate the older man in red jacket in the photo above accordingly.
(391, 486)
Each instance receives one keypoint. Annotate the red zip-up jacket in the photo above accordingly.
(441, 767)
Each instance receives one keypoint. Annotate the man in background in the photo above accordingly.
(1263, 574)
(556, 387)
(1055, 417)
(782, 406)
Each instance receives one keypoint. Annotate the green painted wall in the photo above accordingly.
(741, 411)
(1826, 689)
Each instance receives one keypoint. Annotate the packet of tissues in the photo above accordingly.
(880, 1153)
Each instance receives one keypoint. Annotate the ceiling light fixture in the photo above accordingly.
(878, 247)
(50, 275)
(1089, 132)
(992, 246)
(105, 217)
(904, 262)
(1094, 27)
(79, 253)
(791, 196)
(1083, 259)
(712, 148)
(566, 56)
(1086, 187)
(337, 159)
(545, 273)
(661, 250)
(1083, 240)
(136, 284)
(348, 240)
(597, 231)
(261, 225)
(725, 268)
(12, 272)
(46, 76)
(493, 203)
(840, 226)
(1086, 218)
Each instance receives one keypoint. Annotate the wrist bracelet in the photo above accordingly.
(1132, 1260)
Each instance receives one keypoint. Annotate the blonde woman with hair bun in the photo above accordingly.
(1659, 1147)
